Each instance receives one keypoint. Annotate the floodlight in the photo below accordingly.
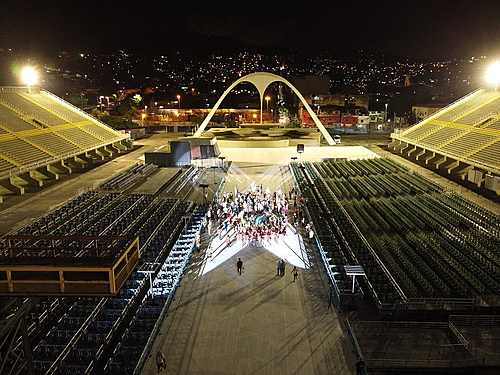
(29, 77)
(493, 74)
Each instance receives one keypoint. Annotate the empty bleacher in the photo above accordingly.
(80, 339)
(465, 133)
(23, 152)
(80, 137)
(16, 100)
(53, 143)
(40, 129)
(413, 240)
(13, 121)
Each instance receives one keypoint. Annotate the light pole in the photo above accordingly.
(214, 167)
(204, 186)
(179, 101)
(267, 103)
(385, 113)
(300, 151)
(222, 161)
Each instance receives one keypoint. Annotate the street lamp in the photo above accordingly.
(267, 102)
(214, 167)
(493, 74)
(385, 113)
(179, 101)
(29, 77)
(222, 161)
(204, 186)
(300, 151)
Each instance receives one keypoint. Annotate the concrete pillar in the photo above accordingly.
(32, 181)
(48, 173)
(87, 158)
(419, 153)
(11, 186)
(95, 155)
(113, 149)
(103, 151)
(401, 147)
(452, 166)
(127, 143)
(411, 151)
(63, 167)
(119, 146)
(440, 161)
(1, 199)
(73, 163)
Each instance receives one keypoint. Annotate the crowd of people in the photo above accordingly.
(255, 217)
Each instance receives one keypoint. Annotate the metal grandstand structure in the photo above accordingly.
(78, 290)
(42, 135)
(430, 258)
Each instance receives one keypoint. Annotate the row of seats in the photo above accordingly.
(122, 181)
(406, 231)
(165, 282)
(103, 317)
(19, 100)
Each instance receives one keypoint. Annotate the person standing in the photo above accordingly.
(283, 264)
(239, 265)
(311, 236)
(278, 268)
(160, 361)
(295, 273)
(360, 366)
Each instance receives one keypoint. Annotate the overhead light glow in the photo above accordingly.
(493, 73)
(29, 76)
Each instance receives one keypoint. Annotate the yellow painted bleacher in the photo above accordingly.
(37, 126)
(466, 129)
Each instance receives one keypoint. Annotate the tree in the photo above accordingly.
(293, 124)
(77, 100)
(130, 106)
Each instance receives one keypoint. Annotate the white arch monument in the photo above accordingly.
(261, 80)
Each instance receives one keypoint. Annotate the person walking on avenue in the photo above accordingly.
(278, 268)
(295, 273)
(239, 265)
(360, 365)
(160, 361)
(283, 264)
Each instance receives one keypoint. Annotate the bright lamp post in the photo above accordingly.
(29, 77)
(267, 98)
(179, 101)
(493, 74)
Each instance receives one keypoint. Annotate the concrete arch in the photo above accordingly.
(261, 80)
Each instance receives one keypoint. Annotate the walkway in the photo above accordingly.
(256, 323)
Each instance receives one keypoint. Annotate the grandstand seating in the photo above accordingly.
(466, 131)
(23, 152)
(90, 323)
(433, 244)
(52, 142)
(38, 129)
(18, 100)
(12, 122)
(489, 155)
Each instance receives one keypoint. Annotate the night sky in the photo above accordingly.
(416, 29)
